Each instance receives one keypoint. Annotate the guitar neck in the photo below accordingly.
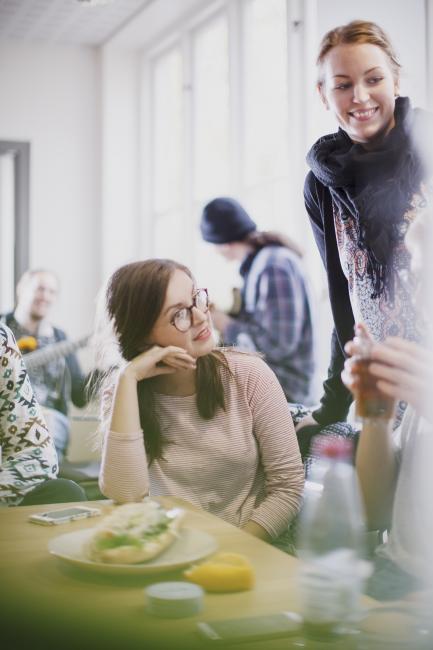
(51, 352)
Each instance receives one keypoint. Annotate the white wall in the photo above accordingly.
(405, 24)
(120, 139)
(50, 97)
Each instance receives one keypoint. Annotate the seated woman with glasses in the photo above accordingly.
(184, 418)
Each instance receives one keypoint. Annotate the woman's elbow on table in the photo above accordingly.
(122, 494)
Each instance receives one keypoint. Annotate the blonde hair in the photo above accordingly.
(29, 274)
(357, 32)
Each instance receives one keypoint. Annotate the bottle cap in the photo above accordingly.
(174, 599)
(329, 446)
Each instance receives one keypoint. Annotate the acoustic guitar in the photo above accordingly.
(42, 356)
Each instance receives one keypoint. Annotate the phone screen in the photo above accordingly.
(67, 512)
(252, 628)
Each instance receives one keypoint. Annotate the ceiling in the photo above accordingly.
(66, 21)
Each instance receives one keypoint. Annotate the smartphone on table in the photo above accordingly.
(251, 628)
(53, 517)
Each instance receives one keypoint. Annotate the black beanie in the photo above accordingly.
(224, 220)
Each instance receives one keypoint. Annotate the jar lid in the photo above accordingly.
(174, 599)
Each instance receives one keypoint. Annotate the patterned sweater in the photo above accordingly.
(28, 456)
(350, 290)
(243, 464)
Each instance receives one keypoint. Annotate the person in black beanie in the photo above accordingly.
(274, 316)
(365, 187)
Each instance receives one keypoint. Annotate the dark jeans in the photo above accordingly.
(56, 490)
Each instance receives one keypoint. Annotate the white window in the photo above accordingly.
(265, 65)
(167, 149)
(220, 126)
(266, 150)
(210, 110)
(211, 147)
(219, 123)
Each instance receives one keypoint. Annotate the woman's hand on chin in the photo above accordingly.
(159, 361)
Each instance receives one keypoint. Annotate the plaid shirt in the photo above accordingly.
(275, 318)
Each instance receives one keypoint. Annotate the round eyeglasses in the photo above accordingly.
(182, 319)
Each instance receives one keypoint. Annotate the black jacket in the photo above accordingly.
(336, 398)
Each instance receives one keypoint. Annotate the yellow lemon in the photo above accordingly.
(223, 572)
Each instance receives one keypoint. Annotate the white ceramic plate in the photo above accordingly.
(192, 545)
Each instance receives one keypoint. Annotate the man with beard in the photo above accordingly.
(55, 380)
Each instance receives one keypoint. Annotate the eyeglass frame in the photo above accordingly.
(189, 309)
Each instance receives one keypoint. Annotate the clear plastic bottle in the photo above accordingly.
(331, 542)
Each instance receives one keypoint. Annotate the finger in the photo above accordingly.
(180, 364)
(184, 361)
(403, 344)
(161, 352)
(362, 330)
(398, 393)
(350, 380)
(396, 360)
(179, 353)
(400, 377)
(414, 351)
(164, 370)
(354, 347)
(411, 349)
(179, 356)
(353, 366)
(173, 356)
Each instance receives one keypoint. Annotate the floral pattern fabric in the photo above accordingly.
(384, 317)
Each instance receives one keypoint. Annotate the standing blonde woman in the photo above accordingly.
(365, 187)
(210, 426)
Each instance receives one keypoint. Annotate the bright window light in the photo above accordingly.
(266, 97)
(211, 162)
(167, 123)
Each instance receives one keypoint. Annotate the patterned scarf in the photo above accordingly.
(375, 187)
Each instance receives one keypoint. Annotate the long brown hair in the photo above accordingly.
(260, 238)
(358, 32)
(134, 299)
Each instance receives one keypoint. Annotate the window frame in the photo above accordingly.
(298, 73)
(21, 157)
